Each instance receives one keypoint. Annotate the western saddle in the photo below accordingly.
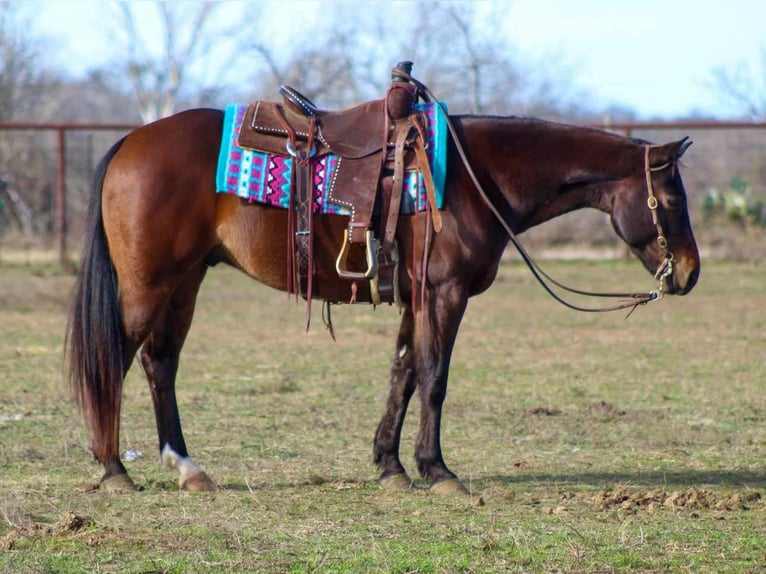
(375, 143)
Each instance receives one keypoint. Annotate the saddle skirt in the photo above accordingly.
(260, 177)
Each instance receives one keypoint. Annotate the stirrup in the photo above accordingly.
(372, 246)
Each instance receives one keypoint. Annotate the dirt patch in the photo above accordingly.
(632, 501)
(603, 410)
(543, 411)
(333, 484)
(69, 524)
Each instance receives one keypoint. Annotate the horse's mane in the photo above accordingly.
(534, 121)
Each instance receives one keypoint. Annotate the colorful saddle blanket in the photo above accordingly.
(264, 178)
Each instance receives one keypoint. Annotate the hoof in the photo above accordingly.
(199, 482)
(396, 482)
(449, 487)
(119, 483)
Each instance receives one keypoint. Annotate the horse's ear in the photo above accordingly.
(670, 152)
(682, 146)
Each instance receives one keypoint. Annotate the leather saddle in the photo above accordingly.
(353, 133)
(375, 143)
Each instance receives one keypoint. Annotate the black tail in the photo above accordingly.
(94, 339)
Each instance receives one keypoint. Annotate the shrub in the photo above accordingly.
(736, 205)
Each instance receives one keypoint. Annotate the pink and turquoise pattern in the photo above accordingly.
(263, 178)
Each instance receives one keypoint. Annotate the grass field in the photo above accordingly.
(590, 443)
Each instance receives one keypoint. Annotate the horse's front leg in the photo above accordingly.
(388, 435)
(436, 328)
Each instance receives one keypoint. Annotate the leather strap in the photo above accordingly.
(397, 188)
(303, 175)
(428, 180)
(301, 230)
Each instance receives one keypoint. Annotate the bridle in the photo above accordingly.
(666, 267)
(664, 270)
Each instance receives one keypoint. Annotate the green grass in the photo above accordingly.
(590, 443)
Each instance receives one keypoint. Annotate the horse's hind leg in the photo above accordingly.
(388, 435)
(159, 358)
(115, 478)
(139, 310)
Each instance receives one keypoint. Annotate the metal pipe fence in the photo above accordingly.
(45, 171)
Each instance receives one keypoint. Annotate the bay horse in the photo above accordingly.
(156, 224)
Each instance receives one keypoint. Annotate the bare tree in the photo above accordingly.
(459, 55)
(325, 73)
(24, 80)
(26, 87)
(351, 61)
(186, 37)
(326, 65)
(743, 87)
(479, 70)
(459, 51)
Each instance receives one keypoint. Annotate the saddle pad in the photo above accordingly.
(264, 178)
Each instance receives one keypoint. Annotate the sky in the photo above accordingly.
(655, 57)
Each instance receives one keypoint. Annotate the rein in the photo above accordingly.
(636, 299)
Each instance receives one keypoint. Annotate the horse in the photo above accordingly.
(155, 225)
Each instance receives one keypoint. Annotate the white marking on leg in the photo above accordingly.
(185, 466)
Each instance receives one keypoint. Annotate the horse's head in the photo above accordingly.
(649, 212)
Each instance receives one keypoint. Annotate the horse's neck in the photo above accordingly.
(542, 170)
(562, 199)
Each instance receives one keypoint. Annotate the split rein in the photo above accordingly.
(635, 299)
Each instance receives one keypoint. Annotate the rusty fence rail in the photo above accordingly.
(737, 153)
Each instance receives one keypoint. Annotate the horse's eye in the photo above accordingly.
(674, 201)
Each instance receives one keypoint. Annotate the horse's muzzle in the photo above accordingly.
(683, 278)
